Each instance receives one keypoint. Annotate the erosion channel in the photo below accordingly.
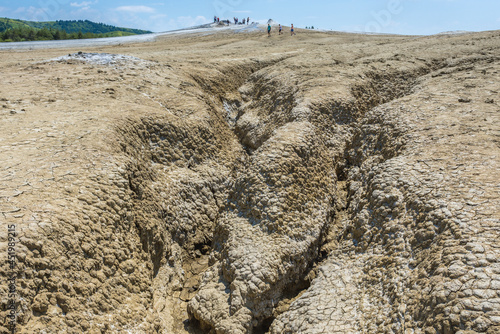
(234, 183)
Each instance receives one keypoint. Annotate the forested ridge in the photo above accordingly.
(12, 30)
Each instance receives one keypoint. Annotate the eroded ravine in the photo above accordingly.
(281, 194)
(277, 206)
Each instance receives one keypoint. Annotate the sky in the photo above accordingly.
(411, 17)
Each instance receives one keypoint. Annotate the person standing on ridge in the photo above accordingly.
(269, 30)
(292, 32)
(280, 32)
(248, 20)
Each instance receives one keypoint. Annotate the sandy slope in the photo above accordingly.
(320, 183)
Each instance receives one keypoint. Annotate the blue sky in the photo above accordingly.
(387, 16)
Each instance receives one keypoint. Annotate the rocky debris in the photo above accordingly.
(105, 59)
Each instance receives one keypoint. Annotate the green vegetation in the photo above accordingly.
(12, 30)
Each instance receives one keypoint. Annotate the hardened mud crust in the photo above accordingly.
(234, 183)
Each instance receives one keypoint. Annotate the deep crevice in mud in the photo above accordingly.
(264, 327)
(244, 96)
(203, 248)
(376, 90)
(380, 88)
(228, 79)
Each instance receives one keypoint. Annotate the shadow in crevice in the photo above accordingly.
(264, 327)
(193, 326)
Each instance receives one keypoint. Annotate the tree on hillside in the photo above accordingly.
(31, 35)
(17, 30)
(44, 34)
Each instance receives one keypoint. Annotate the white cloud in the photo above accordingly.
(85, 4)
(20, 10)
(158, 17)
(135, 9)
(34, 14)
(189, 21)
(159, 23)
(88, 12)
(140, 17)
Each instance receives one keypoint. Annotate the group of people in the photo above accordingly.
(235, 19)
(280, 31)
(247, 21)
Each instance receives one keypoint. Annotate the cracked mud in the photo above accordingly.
(329, 183)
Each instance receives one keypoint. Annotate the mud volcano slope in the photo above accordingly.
(234, 183)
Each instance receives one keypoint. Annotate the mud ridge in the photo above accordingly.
(258, 93)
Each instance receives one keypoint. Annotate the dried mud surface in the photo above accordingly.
(234, 183)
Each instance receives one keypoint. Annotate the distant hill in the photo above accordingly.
(19, 30)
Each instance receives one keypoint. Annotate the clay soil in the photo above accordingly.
(237, 183)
